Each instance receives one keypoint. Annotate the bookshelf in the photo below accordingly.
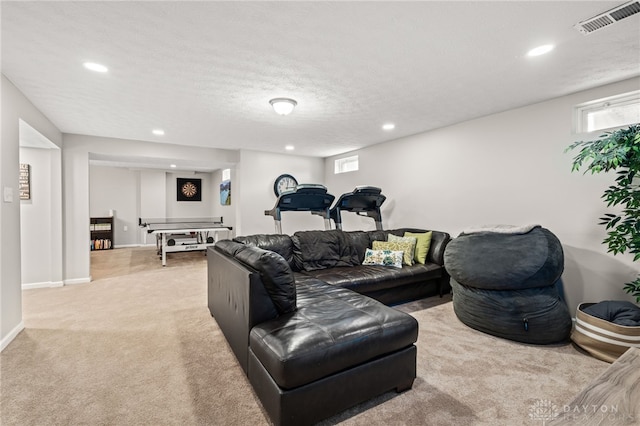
(101, 229)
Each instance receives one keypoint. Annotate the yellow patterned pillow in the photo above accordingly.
(404, 246)
(412, 240)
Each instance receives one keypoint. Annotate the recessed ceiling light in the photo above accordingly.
(95, 67)
(173, 166)
(289, 147)
(158, 132)
(540, 50)
(389, 126)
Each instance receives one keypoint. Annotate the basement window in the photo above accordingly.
(347, 164)
(607, 113)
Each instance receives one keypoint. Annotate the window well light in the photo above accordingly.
(158, 132)
(95, 67)
(389, 126)
(283, 106)
(540, 50)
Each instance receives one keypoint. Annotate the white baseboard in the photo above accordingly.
(127, 245)
(44, 284)
(12, 335)
(77, 281)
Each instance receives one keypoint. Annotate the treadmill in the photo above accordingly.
(304, 198)
(363, 200)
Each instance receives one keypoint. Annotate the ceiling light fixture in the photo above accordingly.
(283, 106)
(173, 166)
(158, 132)
(389, 126)
(289, 147)
(95, 67)
(540, 50)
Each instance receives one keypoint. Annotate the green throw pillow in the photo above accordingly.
(422, 246)
(403, 246)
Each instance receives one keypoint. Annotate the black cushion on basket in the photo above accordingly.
(616, 311)
(505, 261)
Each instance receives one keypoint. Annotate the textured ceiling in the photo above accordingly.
(205, 71)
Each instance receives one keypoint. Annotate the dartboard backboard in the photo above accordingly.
(189, 189)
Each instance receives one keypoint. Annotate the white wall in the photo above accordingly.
(190, 209)
(41, 221)
(504, 168)
(14, 106)
(34, 214)
(153, 194)
(134, 194)
(507, 168)
(254, 192)
(115, 188)
(228, 213)
(76, 186)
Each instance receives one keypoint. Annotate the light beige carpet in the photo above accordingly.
(137, 346)
(613, 397)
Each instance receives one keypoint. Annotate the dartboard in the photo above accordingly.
(189, 189)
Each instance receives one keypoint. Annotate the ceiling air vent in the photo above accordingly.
(609, 17)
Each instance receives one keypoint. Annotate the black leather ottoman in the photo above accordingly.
(338, 349)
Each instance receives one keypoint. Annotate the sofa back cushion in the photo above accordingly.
(277, 276)
(314, 250)
(360, 242)
(279, 243)
(439, 241)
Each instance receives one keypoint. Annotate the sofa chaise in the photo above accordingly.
(301, 316)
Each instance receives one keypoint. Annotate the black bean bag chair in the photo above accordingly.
(533, 315)
(505, 283)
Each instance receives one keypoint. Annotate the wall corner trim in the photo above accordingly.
(77, 281)
(44, 284)
(12, 335)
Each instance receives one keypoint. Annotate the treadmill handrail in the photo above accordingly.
(305, 197)
(363, 200)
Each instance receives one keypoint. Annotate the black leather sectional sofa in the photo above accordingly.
(310, 325)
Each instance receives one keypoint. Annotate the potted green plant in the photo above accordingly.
(620, 151)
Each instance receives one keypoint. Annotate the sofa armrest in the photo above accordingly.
(237, 299)
(274, 270)
(439, 241)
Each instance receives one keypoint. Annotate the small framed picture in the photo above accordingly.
(225, 193)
